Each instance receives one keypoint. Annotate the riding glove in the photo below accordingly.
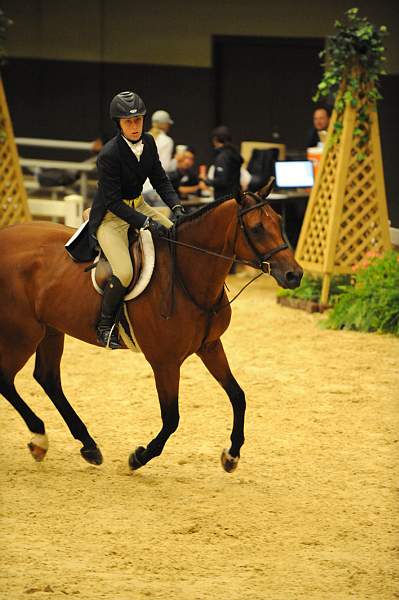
(178, 211)
(157, 230)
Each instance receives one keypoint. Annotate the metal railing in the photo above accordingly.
(83, 167)
(71, 209)
(46, 143)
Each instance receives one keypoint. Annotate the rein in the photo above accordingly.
(210, 252)
(262, 259)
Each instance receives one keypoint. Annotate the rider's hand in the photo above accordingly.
(178, 211)
(157, 230)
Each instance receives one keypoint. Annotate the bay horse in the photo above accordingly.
(45, 295)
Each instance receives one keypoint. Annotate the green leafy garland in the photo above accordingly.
(353, 64)
(5, 23)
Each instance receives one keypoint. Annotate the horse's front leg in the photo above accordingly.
(214, 358)
(167, 381)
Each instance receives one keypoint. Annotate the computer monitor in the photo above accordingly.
(294, 174)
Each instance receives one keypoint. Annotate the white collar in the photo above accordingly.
(136, 147)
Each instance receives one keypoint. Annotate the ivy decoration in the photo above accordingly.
(353, 62)
(5, 23)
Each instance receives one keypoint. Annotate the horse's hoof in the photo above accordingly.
(92, 455)
(229, 463)
(38, 446)
(37, 452)
(136, 460)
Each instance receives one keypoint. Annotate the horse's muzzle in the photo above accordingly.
(293, 278)
(288, 279)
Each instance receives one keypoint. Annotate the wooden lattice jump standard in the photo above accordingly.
(347, 213)
(13, 199)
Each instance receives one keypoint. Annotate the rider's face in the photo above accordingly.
(132, 127)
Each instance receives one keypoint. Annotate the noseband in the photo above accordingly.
(263, 259)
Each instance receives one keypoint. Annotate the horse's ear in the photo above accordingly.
(266, 189)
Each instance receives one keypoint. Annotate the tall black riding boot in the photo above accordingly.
(107, 328)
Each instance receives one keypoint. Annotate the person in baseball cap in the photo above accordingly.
(161, 124)
(161, 117)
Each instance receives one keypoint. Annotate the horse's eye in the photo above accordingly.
(257, 229)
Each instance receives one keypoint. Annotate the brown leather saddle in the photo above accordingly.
(103, 271)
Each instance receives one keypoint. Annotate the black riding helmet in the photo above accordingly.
(126, 104)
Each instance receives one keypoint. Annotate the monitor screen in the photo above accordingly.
(294, 174)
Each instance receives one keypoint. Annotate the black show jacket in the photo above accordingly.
(121, 177)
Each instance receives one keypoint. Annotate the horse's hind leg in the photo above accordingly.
(167, 381)
(47, 374)
(39, 442)
(214, 358)
(16, 347)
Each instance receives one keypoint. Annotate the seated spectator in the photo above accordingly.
(321, 120)
(184, 178)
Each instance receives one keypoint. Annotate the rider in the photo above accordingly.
(123, 165)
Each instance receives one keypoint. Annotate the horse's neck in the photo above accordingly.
(205, 274)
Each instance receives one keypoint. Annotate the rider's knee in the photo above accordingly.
(125, 276)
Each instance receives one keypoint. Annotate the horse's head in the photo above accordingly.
(260, 239)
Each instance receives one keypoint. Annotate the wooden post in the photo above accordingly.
(13, 199)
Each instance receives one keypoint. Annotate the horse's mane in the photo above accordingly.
(196, 214)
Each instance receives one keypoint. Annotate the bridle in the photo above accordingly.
(259, 264)
(263, 259)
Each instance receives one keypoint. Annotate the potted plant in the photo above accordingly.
(371, 301)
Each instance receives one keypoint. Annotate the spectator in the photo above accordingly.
(161, 124)
(227, 164)
(184, 178)
(321, 120)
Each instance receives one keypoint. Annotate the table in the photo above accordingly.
(196, 201)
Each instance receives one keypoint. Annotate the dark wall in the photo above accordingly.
(69, 100)
(264, 87)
